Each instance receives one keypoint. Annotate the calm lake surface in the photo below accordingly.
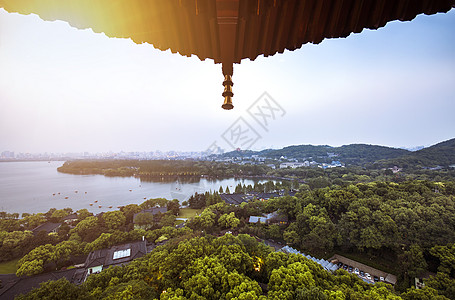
(29, 187)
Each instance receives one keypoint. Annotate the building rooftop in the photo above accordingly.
(48, 227)
(14, 286)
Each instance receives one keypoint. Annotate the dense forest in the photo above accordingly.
(371, 156)
(156, 169)
(355, 154)
(228, 267)
(168, 170)
(406, 228)
(442, 154)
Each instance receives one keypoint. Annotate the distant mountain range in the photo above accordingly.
(441, 154)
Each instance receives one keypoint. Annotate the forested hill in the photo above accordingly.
(441, 154)
(354, 154)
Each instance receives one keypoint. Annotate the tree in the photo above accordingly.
(220, 190)
(167, 220)
(413, 261)
(206, 220)
(227, 190)
(422, 294)
(58, 289)
(64, 250)
(228, 221)
(29, 268)
(174, 206)
(129, 211)
(151, 203)
(83, 214)
(103, 241)
(58, 215)
(197, 201)
(114, 219)
(291, 236)
(87, 228)
(443, 283)
(33, 221)
(33, 262)
(145, 220)
(446, 255)
(285, 280)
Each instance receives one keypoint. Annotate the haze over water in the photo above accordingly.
(29, 187)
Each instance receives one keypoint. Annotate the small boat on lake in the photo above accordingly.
(91, 204)
(100, 206)
(66, 197)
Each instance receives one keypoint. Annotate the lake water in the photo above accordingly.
(29, 187)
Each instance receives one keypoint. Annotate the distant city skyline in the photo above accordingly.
(145, 153)
(68, 90)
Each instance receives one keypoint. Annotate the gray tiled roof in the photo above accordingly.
(104, 257)
(23, 285)
(48, 227)
(322, 262)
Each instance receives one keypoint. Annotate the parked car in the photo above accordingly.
(356, 271)
(350, 269)
(362, 273)
(376, 279)
(381, 278)
(368, 276)
(345, 266)
(340, 265)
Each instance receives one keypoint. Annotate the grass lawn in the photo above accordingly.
(8, 267)
(189, 212)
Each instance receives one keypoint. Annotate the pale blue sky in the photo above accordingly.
(63, 89)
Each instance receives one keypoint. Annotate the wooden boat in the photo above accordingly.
(91, 204)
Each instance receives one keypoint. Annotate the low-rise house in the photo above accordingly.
(294, 165)
(151, 211)
(277, 218)
(255, 219)
(238, 198)
(47, 227)
(266, 196)
(234, 199)
(13, 286)
(272, 218)
(99, 260)
(69, 219)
